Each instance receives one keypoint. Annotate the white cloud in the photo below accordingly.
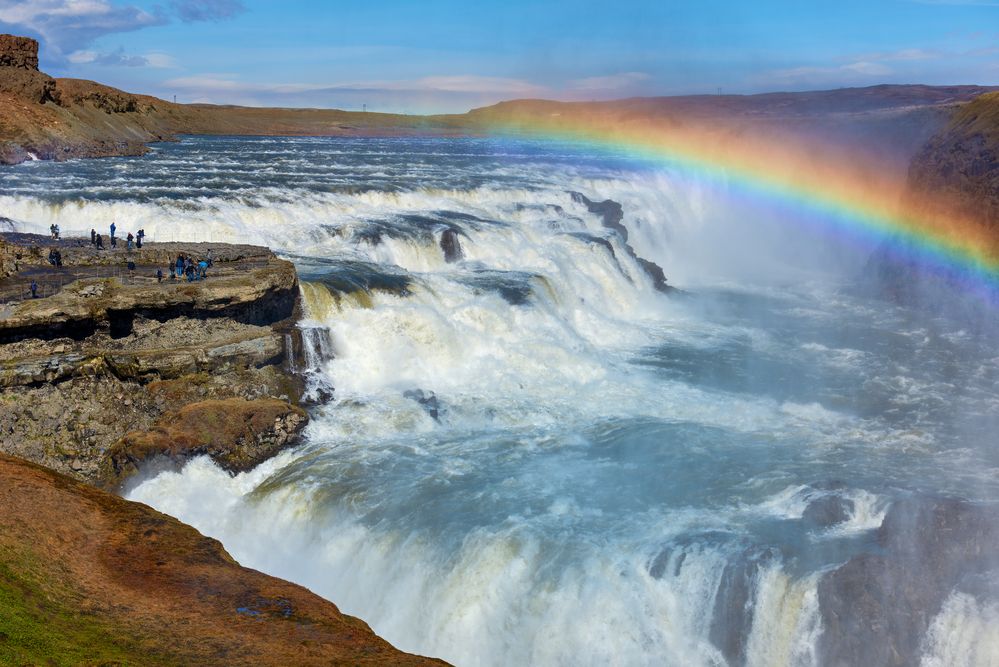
(120, 59)
(471, 84)
(190, 11)
(82, 57)
(911, 54)
(861, 70)
(458, 84)
(612, 82)
(69, 25)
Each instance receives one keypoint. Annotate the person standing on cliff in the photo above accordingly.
(93, 236)
(112, 230)
(138, 238)
(99, 242)
(34, 289)
(129, 240)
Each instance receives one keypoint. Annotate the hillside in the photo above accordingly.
(957, 171)
(55, 119)
(51, 118)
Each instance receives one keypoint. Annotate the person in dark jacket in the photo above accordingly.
(34, 289)
(93, 236)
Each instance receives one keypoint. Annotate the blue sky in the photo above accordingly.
(449, 56)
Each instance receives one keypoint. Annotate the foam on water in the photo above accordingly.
(532, 456)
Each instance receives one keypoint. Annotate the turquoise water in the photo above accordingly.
(598, 458)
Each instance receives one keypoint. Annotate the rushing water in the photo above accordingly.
(532, 456)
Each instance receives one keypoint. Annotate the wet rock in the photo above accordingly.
(611, 213)
(427, 399)
(655, 272)
(451, 246)
(828, 511)
(237, 434)
(596, 240)
(514, 286)
(877, 607)
(732, 619)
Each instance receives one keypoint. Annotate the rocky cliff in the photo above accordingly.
(18, 52)
(107, 369)
(957, 171)
(111, 368)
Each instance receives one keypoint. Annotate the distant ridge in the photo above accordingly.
(54, 119)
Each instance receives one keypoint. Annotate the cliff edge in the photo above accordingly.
(87, 578)
(957, 171)
(105, 368)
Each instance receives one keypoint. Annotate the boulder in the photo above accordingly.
(451, 246)
(828, 511)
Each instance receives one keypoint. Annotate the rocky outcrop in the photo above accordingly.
(877, 607)
(18, 52)
(87, 578)
(451, 245)
(957, 171)
(611, 214)
(248, 284)
(237, 434)
(19, 75)
(101, 358)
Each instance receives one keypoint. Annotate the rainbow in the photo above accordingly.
(851, 194)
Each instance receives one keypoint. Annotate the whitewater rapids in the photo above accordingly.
(532, 455)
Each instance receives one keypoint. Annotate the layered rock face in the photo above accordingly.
(109, 370)
(877, 607)
(19, 75)
(19, 52)
(957, 171)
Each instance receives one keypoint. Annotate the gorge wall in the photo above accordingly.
(957, 171)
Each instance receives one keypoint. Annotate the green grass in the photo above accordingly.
(43, 620)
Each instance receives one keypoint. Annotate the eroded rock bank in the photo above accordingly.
(878, 607)
(111, 368)
(87, 578)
